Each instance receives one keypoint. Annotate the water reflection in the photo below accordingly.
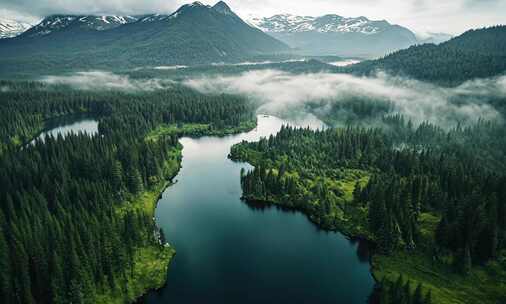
(70, 124)
(232, 252)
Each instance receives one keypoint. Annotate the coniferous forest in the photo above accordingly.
(474, 54)
(398, 198)
(76, 212)
(429, 199)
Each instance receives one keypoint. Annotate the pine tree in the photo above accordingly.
(58, 288)
(6, 293)
(466, 259)
(135, 184)
(22, 285)
(406, 293)
(357, 192)
(428, 298)
(418, 296)
(117, 175)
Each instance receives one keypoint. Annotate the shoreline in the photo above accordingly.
(248, 127)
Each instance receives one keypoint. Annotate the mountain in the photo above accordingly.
(475, 54)
(57, 23)
(12, 28)
(194, 34)
(336, 35)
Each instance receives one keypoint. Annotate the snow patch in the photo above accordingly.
(12, 28)
(324, 24)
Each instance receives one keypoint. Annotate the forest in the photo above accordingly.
(76, 212)
(429, 198)
(475, 54)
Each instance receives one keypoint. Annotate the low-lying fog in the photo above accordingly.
(278, 92)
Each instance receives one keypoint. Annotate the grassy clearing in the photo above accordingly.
(353, 219)
(198, 130)
(152, 261)
(150, 272)
(485, 284)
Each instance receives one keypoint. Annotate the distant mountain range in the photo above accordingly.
(198, 34)
(57, 23)
(475, 54)
(194, 34)
(337, 35)
(12, 28)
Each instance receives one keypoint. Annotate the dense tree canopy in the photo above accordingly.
(380, 183)
(68, 229)
(475, 54)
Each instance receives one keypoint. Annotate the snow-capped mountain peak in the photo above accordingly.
(327, 23)
(12, 28)
(101, 23)
(59, 22)
(220, 7)
(156, 17)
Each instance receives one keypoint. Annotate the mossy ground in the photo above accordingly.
(484, 284)
(150, 272)
(152, 261)
(197, 130)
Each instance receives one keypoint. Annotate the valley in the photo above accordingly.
(185, 153)
(259, 250)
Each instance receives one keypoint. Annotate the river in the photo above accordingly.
(232, 252)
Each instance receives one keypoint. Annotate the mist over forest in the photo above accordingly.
(328, 94)
(286, 158)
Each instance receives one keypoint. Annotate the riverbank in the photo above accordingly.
(199, 130)
(237, 249)
(327, 199)
(152, 261)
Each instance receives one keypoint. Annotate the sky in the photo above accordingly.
(421, 16)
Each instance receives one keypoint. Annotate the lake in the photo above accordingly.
(67, 125)
(232, 252)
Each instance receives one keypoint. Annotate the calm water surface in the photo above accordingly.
(68, 125)
(232, 252)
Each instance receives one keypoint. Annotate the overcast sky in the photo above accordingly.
(450, 16)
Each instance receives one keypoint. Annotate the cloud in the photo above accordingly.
(131, 7)
(279, 92)
(100, 80)
(452, 16)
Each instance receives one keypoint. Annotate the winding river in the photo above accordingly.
(232, 252)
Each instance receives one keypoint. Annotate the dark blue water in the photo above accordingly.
(232, 252)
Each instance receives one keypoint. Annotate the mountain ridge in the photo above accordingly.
(92, 22)
(193, 34)
(324, 23)
(333, 34)
(477, 53)
(12, 28)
